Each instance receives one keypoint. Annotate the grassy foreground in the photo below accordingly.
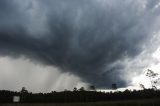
(146, 102)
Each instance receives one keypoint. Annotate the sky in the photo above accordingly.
(48, 45)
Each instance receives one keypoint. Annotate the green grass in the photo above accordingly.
(146, 102)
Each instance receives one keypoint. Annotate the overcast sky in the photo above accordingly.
(50, 45)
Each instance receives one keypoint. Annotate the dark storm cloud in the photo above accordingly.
(81, 37)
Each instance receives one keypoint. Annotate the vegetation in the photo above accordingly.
(153, 78)
(78, 96)
(81, 97)
(145, 102)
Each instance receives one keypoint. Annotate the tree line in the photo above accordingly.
(77, 96)
(82, 95)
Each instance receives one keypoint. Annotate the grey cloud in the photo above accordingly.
(152, 4)
(84, 37)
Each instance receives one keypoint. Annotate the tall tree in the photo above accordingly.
(114, 86)
(152, 75)
(92, 87)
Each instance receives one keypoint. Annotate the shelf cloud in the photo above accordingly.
(88, 38)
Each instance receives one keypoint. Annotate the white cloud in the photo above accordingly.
(148, 59)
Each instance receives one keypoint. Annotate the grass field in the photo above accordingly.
(146, 102)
